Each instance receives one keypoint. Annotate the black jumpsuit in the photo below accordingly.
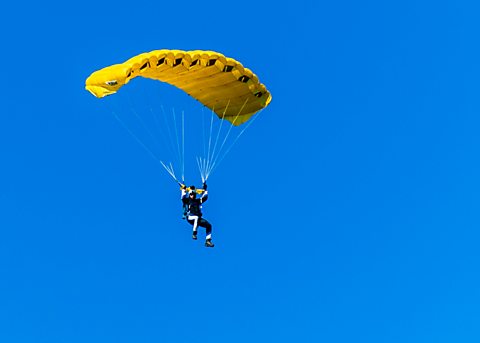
(194, 213)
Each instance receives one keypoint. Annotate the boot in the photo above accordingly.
(209, 244)
(194, 235)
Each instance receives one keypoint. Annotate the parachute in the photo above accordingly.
(222, 84)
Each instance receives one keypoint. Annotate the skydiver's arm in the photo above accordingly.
(204, 194)
(183, 189)
(185, 199)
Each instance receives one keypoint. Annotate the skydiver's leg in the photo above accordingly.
(193, 220)
(208, 227)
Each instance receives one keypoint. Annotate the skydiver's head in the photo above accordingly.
(192, 194)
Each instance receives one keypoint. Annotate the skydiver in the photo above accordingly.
(193, 211)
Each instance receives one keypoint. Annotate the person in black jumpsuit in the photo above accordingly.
(193, 207)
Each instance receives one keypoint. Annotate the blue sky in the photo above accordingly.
(347, 212)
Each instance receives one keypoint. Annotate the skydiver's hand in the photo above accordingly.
(205, 186)
(182, 186)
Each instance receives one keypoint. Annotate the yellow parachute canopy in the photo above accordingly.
(221, 83)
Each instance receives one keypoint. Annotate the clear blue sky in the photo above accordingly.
(349, 211)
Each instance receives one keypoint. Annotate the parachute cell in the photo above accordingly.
(220, 83)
